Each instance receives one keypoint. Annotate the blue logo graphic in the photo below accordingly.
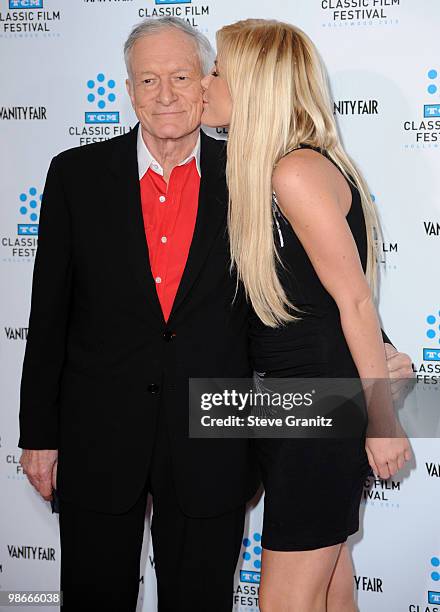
(433, 597)
(432, 87)
(433, 332)
(25, 4)
(101, 93)
(173, 1)
(29, 203)
(252, 555)
(435, 575)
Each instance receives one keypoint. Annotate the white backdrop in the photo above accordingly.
(384, 64)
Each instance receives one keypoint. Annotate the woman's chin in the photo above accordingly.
(209, 121)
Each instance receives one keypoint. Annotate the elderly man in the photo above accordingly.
(131, 297)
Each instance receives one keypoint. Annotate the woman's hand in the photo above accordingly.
(387, 456)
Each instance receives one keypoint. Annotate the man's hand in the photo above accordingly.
(399, 370)
(40, 466)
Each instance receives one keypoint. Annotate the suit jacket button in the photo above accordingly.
(153, 388)
(169, 335)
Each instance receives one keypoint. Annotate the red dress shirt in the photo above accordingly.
(169, 213)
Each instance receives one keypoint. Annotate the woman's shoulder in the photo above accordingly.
(303, 168)
(309, 172)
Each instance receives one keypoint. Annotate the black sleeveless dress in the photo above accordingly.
(313, 486)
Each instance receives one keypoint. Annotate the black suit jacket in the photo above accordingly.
(99, 361)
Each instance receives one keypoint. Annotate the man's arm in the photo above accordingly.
(45, 347)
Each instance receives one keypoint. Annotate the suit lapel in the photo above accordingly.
(211, 213)
(125, 170)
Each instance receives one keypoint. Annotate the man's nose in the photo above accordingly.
(167, 95)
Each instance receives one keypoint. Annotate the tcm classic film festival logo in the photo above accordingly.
(424, 131)
(101, 118)
(428, 370)
(29, 18)
(246, 591)
(360, 12)
(11, 461)
(433, 594)
(192, 12)
(382, 493)
(22, 245)
(189, 10)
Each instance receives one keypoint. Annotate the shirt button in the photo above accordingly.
(158, 279)
(162, 198)
(164, 239)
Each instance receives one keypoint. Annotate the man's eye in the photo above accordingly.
(182, 78)
(147, 81)
(214, 73)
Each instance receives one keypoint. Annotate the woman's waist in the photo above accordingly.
(313, 352)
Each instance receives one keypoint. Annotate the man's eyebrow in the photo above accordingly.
(178, 69)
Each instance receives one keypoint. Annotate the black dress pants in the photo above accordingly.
(195, 558)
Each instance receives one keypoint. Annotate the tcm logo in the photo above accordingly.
(29, 203)
(432, 110)
(173, 1)
(100, 92)
(25, 4)
(252, 555)
(431, 354)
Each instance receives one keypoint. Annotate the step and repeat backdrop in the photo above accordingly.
(62, 85)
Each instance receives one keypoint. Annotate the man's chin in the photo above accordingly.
(173, 133)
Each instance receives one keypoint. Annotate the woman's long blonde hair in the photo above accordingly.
(280, 100)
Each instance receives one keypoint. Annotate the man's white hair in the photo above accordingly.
(152, 26)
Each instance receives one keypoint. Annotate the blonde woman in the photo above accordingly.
(301, 232)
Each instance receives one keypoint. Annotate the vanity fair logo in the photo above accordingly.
(432, 228)
(31, 553)
(16, 333)
(356, 107)
(23, 113)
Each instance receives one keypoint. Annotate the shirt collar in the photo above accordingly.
(145, 159)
